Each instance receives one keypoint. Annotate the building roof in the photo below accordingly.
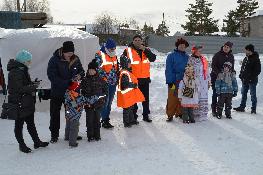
(258, 13)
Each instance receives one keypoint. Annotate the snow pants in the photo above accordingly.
(224, 99)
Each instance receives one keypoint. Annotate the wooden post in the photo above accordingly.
(18, 5)
(24, 5)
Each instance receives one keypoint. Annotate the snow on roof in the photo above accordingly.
(50, 32)
(258, 13)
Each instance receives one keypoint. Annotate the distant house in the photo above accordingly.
(126, 32)
(254, 25)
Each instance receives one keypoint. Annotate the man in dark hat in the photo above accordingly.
(250, 70)
(63, 68)
(224, 55)
(141, 57)
(174, 73)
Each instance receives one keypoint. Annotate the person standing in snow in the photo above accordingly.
(21, 90)
(226, 89)
(175, 66)
(128, 93)
(188, 94)
(202, 77)
(74, 104)
(141, 57)
(218, 60)
(95, 90)
(63, 68)
(250, 70)
(108, 70)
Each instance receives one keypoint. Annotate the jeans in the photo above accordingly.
(244, 91)
(105, 112)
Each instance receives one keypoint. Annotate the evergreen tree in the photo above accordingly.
(231, 22)
(235, 20)
(162, 29)
(147, 30)
(199, 20)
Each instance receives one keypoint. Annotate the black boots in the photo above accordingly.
(23, 148)
(213, 107)
(40, 144)
(106, 124)
(146, 119)
(54, 140)
(239, 109)
(169, 118)
(253, 111)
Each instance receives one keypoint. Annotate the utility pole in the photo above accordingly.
(18, 5)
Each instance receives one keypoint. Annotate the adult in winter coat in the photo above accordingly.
(202, 77)
(21, 90)
(175, 66)
(141, 57)
(108, 70)
(250, 70)
(63, 68)
(224, 55)
(95, 90)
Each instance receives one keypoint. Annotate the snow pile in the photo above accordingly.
(42, 43)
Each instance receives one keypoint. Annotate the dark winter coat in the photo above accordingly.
(94, 86)
(250, 69)
(218, 61)
(61, 72)
(151, 57)
(21, 90)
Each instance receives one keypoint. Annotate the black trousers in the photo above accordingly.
(227, 100)
(55, 107)
(144, 88)
(93, 123)
(214, 95)
(31, 127)
(128, 117)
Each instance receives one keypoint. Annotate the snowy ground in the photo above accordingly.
(218, 147)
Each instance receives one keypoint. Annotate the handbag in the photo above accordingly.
(10, 111)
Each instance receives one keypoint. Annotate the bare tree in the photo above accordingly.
(104, 24)
(9, 5)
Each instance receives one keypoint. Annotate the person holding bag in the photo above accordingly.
(22, 91)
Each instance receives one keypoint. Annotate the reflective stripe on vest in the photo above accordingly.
(107, 65)
(130, 80)
(140, 66)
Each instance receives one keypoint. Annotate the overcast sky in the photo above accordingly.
(149, 11)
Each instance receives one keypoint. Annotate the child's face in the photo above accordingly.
(226, 69)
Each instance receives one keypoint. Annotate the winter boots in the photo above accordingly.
(213, 107)
(239, 109)
(40, 144)
(146, 119)
(23, 148)
(106, 124)
(169, 118)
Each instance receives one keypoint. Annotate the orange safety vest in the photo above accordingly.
(128, 97)
(140, 66)
(108, 62)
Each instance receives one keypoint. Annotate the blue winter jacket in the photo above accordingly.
(175, 66)
(223, 88)
(60, 72)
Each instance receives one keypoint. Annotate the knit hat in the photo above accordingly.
(68, 46)
(250, 47)
(73, 86)
(195, 48)
(110, 43)
(181, 41)
(229, 44)
(124, 61)
(137, 36)
(227, 64)
(93, 64)
(23, 56)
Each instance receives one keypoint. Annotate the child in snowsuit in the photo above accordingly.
(94, 89)
(128, 93)
(74, 103)
(188, 95)
(226, 88)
